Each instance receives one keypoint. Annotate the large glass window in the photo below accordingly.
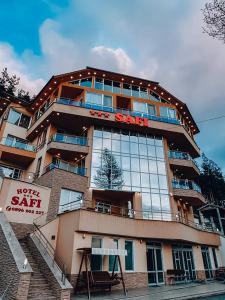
(70, 200)
(10, 172)
(167, 112)
(99, 99)
(128, 161)
(144, 108)
(19, 119)
(129, 258)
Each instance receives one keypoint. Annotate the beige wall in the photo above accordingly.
(21, 205)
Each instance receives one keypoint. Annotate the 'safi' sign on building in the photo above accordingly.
(23, 202)
(135, 120)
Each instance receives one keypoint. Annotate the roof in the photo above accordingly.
(154, 86)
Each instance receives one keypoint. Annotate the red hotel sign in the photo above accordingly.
(122, 118)
(26, 201)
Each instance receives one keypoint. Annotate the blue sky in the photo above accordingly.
(158, 39)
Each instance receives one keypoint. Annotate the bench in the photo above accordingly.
(173, 274)
(101, 279)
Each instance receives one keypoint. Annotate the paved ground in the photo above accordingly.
(172, 292)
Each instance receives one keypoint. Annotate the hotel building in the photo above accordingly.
(113, 157)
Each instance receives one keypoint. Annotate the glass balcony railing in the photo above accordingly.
(185, 184)
(69, 139)
(66, 167)
(115, 110)
(17, 144)
(181, 155)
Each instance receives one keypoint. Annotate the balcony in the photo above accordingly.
(116, 110)
(68, 112)
(116, 221)
(183, 162)
(68, 145)
(17, 152)
(188, 191)
(66, 167)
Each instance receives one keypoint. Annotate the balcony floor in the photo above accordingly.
(165, 292)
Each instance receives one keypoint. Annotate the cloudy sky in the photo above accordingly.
(161, 40)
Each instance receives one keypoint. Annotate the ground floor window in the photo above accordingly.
(183, 260)
(215, 258)
(207, 262)
(112, 257)
(154, 264)
(96, 260)
(129, 259)
(70, 200)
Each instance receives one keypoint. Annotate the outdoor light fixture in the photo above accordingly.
(80, 75)
(83, 236)
(0, 209)
(25, 263)
(55, 82)
(71, 77)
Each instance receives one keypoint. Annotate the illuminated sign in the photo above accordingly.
(131, 120)
(136, 120)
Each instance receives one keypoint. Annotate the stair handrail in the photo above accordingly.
(51, 252)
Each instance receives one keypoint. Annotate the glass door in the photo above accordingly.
(207, 262)
(183, 260)
(154, 264)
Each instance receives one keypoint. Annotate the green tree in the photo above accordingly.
(109, 175)
(9, 86)
(212, 181)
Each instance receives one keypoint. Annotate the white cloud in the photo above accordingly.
(15, 65)
(112, 58)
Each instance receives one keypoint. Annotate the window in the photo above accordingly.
(129, 260)
(18, 118)
(96, 260)
(70, 200)
(144, 108)
(215, 258)
(99, 99)
(167, 112)
(38, 167)
(112, 257)
(10, 172)
(86, 82)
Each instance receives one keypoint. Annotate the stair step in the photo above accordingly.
(39, 287)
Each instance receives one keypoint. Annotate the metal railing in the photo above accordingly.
(181, 155)
(16, 144)
(121, 211)
(70, 102)
(59, 264)
(69, 139)
(66, 167)
(186, 184)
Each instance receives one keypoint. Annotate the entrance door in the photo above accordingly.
(183, 260)
(154, 264)
(207, 263)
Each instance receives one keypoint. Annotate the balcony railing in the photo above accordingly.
(185, 184)
(69, 139)
(115, 110)
(181, 155)
(16, 144)
(149, 215)
(66, 167)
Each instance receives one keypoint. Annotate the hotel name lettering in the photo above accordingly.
(26, 201)
(133, 120)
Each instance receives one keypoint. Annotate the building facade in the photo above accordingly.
(116, 154)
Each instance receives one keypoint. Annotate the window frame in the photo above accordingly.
(21, 114)
(69, 199)
(133, 267)
(102, 99)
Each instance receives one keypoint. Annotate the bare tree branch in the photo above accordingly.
(214, 19)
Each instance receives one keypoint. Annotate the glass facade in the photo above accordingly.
(125, 160)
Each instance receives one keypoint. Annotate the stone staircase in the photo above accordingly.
(39, 288)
